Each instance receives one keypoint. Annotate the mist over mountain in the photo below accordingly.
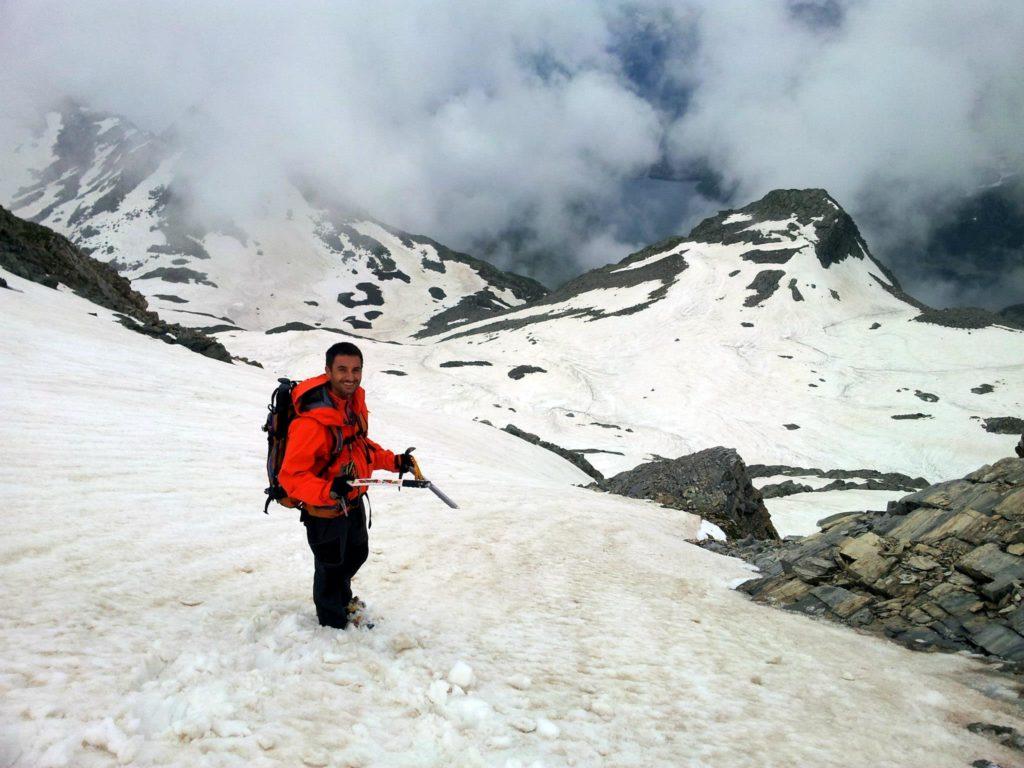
(558, 138)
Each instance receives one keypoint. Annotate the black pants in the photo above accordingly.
(340, 546)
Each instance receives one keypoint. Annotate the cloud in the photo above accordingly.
(452, 119)
(487, 124)
(900, 110)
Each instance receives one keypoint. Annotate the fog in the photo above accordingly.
(525, 131)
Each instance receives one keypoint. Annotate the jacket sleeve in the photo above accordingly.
(382, 457)
(306, 452)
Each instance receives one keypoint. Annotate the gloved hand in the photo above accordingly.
(340, 487)
(404, 462)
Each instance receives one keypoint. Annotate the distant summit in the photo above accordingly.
(790, 259)
(791, 246)
(836, 236)
(122, 195)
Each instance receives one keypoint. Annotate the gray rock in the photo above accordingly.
(893, 481)
(1003, 734)
(573, 457)
(842, 602)
(712, 483)
(293, 326)
(36, 253)
(372, 296)
(942, 569)
(764, 284)
(794, 291)
(777, 256)
(464, 363)
(785, 488)
(521, 370)
(988, 563)
(1004, 425)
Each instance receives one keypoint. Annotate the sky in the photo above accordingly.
(555, 137)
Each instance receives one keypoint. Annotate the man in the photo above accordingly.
(328, 446)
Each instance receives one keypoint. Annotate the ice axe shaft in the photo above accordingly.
(368, 481)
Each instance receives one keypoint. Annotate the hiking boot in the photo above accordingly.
(355, 605)
(357, 614)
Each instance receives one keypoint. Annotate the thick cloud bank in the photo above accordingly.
(524, 130)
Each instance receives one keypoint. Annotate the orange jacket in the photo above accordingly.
(326, 425)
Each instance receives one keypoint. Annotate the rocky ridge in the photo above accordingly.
(36, 253)
(842, 480)
(940, 569)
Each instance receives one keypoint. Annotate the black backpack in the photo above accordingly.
(282, 411)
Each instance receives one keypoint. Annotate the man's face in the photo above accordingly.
(345, 374)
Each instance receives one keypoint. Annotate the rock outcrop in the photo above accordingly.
(942, 568)
(573, 457)
(35, 253)
(712, 483)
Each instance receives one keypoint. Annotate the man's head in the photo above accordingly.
(344, 368)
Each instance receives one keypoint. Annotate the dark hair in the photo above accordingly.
(342, 348)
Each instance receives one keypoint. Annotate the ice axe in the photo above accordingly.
(419, 482)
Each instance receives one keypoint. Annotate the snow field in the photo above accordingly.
(798, 515)
(151, 616)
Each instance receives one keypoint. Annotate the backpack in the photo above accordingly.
(282, 411)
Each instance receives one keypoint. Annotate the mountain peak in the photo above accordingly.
(779, 216)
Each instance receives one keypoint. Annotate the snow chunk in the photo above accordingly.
(461, 675)
(520, 682)
(709, 530)
(316, 759)
(524, 724)
(402, 642)
(438, 692)
(469, 711)
(547, 729)
(230, 728)
(107, 736)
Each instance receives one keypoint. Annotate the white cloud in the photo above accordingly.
(462, 120)
(908, 105)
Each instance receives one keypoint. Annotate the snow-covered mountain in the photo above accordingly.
(120, 193)
(770, 329)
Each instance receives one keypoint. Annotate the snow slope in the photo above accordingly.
(151, 616)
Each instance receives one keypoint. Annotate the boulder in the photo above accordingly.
(712, 483)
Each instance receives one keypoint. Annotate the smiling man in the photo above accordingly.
(327, 447)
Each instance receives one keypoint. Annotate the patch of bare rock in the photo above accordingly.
(940, 569)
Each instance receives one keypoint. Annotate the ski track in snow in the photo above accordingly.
(151, 616)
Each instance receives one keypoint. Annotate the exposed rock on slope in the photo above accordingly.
(712, 483)
(36, 253)
(573, 457)
(942, 568)
(842, 480)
